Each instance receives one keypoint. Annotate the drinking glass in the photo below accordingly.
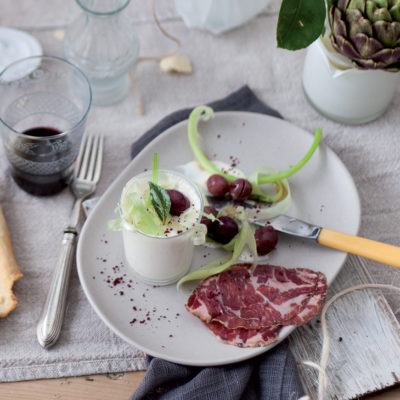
(103, 42)
(44, 104)
(162, 260)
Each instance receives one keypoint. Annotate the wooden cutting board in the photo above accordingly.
(365, 340)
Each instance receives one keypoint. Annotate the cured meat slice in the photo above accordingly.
(313, 306)
(265, 297)
(244, 337)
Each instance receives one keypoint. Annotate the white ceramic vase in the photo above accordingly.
(341, 92)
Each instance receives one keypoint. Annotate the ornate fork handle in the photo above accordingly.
(51, 319)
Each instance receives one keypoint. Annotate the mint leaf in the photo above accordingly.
(300, 22)
(160, 200)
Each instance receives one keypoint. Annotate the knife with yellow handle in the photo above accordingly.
(377, 251)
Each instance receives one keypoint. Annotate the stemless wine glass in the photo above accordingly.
(44, 103)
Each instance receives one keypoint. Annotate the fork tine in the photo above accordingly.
(94, 169)
(85, 158)
(79, 159)
(92, 158)
(99, 159)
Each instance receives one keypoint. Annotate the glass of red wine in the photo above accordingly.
(44, 104)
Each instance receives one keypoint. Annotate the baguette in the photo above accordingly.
(9, 270)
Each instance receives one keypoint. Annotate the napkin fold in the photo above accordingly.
(241, 100)
(272, 375)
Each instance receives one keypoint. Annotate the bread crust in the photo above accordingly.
(9, 270)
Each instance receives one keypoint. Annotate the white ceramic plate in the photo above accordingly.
(15, 45)
(154, 319)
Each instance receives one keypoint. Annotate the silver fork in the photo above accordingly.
(86, 176)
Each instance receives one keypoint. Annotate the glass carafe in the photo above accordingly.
(104, 44)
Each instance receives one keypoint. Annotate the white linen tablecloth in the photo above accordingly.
(221, 64)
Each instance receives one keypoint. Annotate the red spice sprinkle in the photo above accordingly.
(134, 308)
(121, 293)
(171, 335)
(142, 321)
(133, 321)
(104, 260)
(117, 281)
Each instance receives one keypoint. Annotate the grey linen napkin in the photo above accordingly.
(270, 376)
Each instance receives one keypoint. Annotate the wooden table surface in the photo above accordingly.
(102, 387)
(43, 20)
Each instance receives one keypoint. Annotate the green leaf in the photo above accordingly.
(300, 22)
(161, 201)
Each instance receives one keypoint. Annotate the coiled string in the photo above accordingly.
(321, 367)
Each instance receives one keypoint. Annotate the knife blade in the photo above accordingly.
(371, 249)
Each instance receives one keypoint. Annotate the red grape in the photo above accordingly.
(266, 239)
(207, 221)
(240, 189)
(179, 202)
(217, 185)
(223, 230)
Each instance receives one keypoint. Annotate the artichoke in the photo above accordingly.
(367, 32)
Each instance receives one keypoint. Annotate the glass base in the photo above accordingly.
(159, 282)
(340, 118)
(110, 91)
